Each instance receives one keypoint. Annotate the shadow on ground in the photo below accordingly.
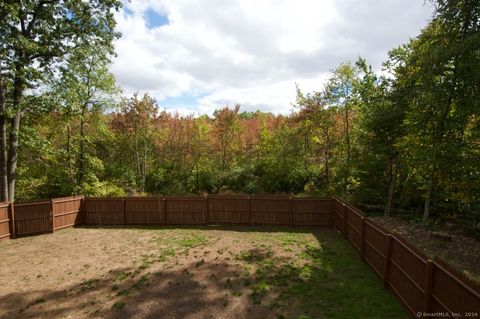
(324, 280)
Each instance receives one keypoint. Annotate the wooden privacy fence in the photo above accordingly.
(42, 216)
(6, 220)
(426, 288)
(247, 210)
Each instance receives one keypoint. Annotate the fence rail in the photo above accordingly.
(421, 285)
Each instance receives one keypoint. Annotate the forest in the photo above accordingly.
(404, 139)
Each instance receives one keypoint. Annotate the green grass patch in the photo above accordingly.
(89, 284)
(141, 282)
(123, 293)
(122, 275)
(192, 241)
(119, 305)
(166, 254)
(326, 279)
(182, 239)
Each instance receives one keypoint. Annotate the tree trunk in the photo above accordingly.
(326, 155)
(391, 189)
(69, 152)
(428, 197)
(3, 144)
(144, 171)
(81, 152)
(347, 140)
(13, 154)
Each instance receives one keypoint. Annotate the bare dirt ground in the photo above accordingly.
(175, 272)
(458, 250)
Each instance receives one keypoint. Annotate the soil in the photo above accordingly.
(210, 272)
(456, 249)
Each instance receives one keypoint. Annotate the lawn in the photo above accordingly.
(176, 272)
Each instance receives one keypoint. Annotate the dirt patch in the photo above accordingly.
(204, 272)
(461, 252)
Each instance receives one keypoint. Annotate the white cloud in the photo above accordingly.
(253, 52)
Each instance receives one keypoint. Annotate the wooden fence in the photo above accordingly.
(6, 220)
(426, 288)
(249, 210)
(42, 216)
(423, 286)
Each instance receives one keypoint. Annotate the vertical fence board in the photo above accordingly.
(144, 211)
(33, 218)
(228, 210)
(5, 221)
(312, 212)
(270, 210)
(185, 210)
(104, 211)
(66, 211)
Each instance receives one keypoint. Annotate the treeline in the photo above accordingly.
(409, 139)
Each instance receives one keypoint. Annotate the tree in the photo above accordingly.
(83, 86)
(313, 112)
(135, 126)
(380, 116)
(225, 129)
(36, 38)
(441, 77)
(339, 93)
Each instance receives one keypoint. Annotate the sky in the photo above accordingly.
(198, 56)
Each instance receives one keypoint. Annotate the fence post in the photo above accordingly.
(345, 223)
(11, 213)
(52, 204)
(146, 213)
(335, 215)
(290, 208)
(164, 200)
(386, 267)
(428, 284)
(205, 215)
(81, 211)
(124, 202)
(249, 210)
(362, 239)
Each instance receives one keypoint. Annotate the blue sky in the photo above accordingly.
(154, 19)
(197, 56)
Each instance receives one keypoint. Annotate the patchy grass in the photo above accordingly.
(226, 272)
(118, 305)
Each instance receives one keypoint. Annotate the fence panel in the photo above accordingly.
(185, 210)
(406, 275)
(271, 210)
(4, 220)
(33, 218)
(450, 294)
(354, 227)
(103, 211)
(339, 216)
(145, 210)
(313, 211)
(229, 209)
(375, 246)
(66, 211)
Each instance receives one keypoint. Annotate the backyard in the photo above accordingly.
(190, 272)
